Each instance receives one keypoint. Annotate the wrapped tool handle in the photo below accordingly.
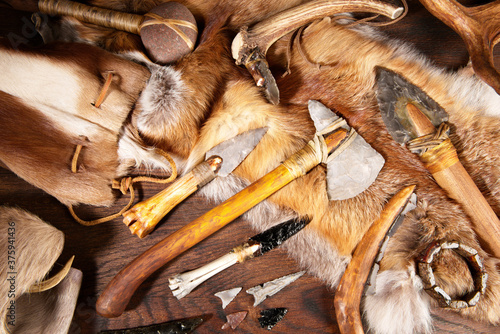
(95, 15)
(442, 161)
(116, 295)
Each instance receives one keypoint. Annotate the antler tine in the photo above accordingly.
(479, 28)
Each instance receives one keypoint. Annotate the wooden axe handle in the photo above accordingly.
(350, 289)
(116, 295)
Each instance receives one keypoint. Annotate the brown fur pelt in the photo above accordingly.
(47, 111)
(191, 106)
(33, 247)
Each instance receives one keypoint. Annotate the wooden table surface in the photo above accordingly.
(101, 251)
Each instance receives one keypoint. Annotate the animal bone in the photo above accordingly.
(479, 28)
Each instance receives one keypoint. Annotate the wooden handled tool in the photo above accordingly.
(350, 289)
(442, 161)
(116, 295)
(220, 160)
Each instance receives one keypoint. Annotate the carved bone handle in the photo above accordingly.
(144, 216)
(264, 34)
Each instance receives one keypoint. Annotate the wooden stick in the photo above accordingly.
(144, 216)
(479, 28)
(350, 289)
(116, 295)
(442, 161)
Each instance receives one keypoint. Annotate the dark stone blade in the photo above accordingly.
(278, 234)
(394, 92)
(181, 326)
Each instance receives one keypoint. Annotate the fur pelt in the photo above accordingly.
(34, 248)
(191, 106)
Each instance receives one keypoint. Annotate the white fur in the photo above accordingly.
(164, 92)
(399, 305)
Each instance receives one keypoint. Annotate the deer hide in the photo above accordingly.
(47, 96)
(33, 247)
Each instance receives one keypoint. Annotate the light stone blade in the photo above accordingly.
(261, 292)
(321, 115)
(227, 296)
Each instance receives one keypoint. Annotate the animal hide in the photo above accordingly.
(33, 247)
(204, 99)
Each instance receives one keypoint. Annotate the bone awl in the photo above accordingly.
(182, 284)
(116, 295)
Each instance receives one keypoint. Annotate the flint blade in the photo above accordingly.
(394, 92)
(233, 151)
(355, 168)
(278, 234)
(321, 115)
(258, 67)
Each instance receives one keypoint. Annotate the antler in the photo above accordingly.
(250, 46)
(479, 28)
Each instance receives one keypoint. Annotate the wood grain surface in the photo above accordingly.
(103, 250)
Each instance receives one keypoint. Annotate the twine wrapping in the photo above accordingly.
(172, 24)
(243, 252)
(99, 16)
(436, 150)
(307, 158)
